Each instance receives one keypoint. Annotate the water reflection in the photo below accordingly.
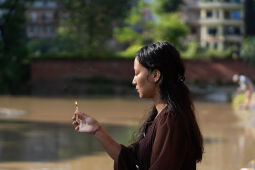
(31, 141)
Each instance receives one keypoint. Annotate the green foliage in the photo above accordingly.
(170, 28)
(167, 6)
(92, 22)
(130, 51)
(248, 49)
(13, 70)
(63, 43)
(240, 112)
(85, 32)
(195, 51)
(137, 30)
(126, 34)
(219, 54)
(237, 101)
(192, 50)
(65, 46)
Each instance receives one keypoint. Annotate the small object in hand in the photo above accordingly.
(76, 109)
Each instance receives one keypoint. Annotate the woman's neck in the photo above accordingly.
(159, 104)
(160, 107)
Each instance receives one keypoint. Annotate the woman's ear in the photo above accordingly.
(156, 75)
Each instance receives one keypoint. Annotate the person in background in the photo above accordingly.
(246, 86)
(170, 138)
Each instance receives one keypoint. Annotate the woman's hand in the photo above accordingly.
(85, 123)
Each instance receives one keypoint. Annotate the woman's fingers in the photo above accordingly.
(79, 114)
(77, 128)
(75, 123)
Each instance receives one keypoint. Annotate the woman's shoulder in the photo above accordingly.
(166, 116)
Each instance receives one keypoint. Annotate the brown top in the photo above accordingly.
(163, 148)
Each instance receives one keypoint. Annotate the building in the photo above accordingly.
(221, 23)
(190, 16)
(41, 19)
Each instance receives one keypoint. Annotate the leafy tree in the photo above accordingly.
(140, 29)
(167, 6)
(137, 30)
(248, 50)
(170, 28)
(63, 43)
(191, 51)
(92, 21)
(12, 46)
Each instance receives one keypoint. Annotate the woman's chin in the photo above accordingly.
(140, 95)
(145, 96)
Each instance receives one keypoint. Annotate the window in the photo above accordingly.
(193, 30)
(48, 29)
(49, 3)
(45, 2)
(212, 31)
(232, 31)
(236, 15)
(33, 29)
(227, 15)
(38, 4)
(209, 14)
(236, 1)
(52, 4)
(48, 16)
(32, 16)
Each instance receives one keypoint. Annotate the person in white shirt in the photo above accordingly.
(246, 86)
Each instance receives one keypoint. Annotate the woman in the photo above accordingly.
(170, 138)
(246, 86)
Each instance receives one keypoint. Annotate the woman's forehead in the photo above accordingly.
(136, 63)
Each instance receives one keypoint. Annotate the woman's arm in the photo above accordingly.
(110, 145)
(88, 124)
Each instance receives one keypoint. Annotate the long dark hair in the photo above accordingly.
(164, 57)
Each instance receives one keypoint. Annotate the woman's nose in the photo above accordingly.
(134, 81)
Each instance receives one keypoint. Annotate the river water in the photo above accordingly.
(38, 134)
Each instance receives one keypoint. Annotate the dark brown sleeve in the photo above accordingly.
(127, 158)
(169, 147)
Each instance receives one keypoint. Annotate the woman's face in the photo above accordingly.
(144, 81)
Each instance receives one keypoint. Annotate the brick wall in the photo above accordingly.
(64, 69)
(122, 69)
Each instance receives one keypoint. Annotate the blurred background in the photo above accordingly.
(53, 53)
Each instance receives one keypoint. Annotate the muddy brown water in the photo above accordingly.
(42, 137)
